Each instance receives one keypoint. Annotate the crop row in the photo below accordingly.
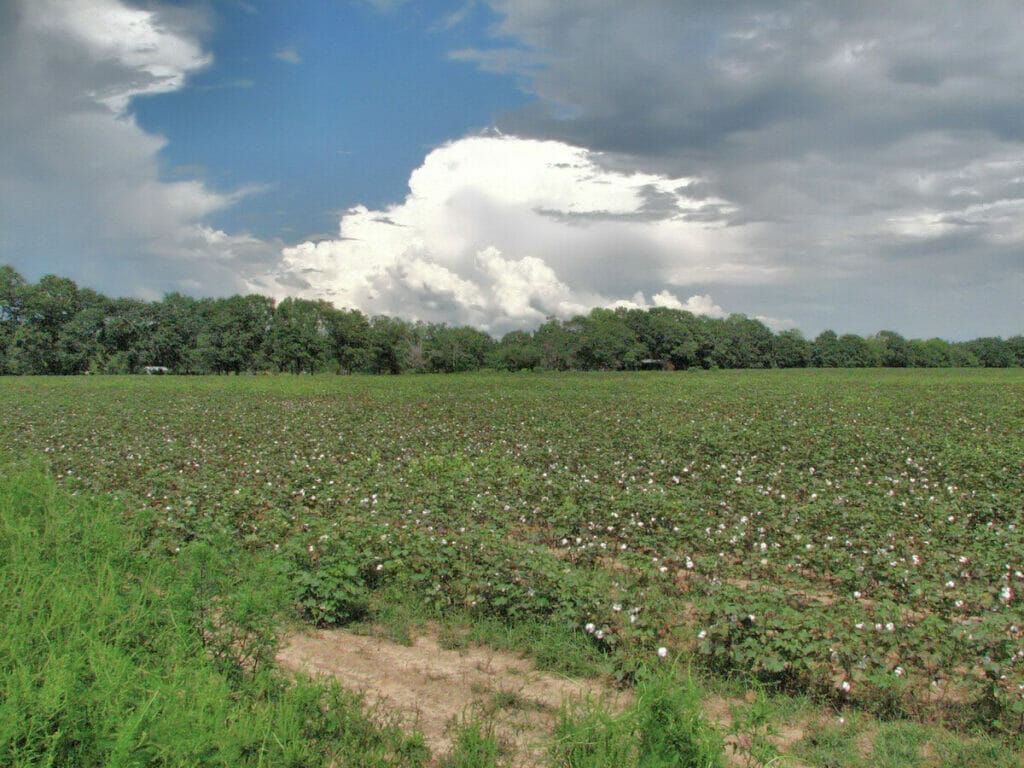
(859, 535)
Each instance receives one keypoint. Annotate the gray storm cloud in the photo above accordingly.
(878, 145)
(854, 165)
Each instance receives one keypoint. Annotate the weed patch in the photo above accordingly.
(105, 659)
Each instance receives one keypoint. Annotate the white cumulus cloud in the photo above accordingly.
(81, 192)
(109, 31)
(501, 232)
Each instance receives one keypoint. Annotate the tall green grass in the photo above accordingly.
(663, 728)
(110, 657)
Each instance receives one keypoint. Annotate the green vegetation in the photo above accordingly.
(474, 748)
(852, 537)
(107, 662)
(859, 743)
(55, 327)
(662, 729)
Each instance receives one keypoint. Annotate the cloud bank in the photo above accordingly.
(854, 165)
(501, 232)
(80, 182)
(846, 165)
(879, 146)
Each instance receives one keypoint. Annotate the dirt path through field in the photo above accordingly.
(431, 687)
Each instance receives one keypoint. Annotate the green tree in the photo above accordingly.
(349, 335)
(672, 335)
(1016, 346)
(515, 352)
(962, 356)
(12, 311)
(79, 346)
(389, 344)
(892, 350)
(298, 338)
(992, 352)
(933, 353)
(748, 343)
(856, 352)
(233, 334)
(453, 350)
(13, 289)
(174, 335)
(605, 341)
(556, 345)
(30, 352)
(52, 302)
(791, 350)
(825, 352)
(128, 326)
(33, 319)
(7, 330)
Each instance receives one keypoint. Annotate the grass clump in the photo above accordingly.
(664, 728)
(863, 742)
(112, 657)
(475, 747)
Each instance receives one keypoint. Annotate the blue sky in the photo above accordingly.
(852, 165)
(356, 95)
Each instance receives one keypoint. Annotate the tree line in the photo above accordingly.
(55, 327)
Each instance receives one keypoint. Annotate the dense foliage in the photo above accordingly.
(109, 657)
(55, 327)
(855, 534)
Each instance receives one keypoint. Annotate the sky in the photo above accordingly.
(854, 165)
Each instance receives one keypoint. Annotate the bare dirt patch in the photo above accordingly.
(784, 735)
(431, 688)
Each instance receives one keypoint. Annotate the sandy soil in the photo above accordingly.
(431, 688)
